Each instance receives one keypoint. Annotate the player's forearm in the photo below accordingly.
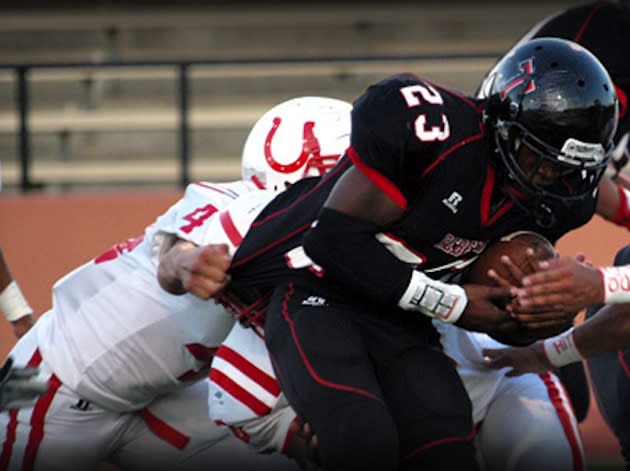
(13, 304)
(346, 248)
(185, 267)
(168, 267)
(607, 331)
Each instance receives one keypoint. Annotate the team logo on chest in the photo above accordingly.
(452, 201)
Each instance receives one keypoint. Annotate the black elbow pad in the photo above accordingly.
(347, 249)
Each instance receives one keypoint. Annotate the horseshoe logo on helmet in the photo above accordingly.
(526, 70)
(310, 147)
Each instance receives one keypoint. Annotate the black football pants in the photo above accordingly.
(375, 388)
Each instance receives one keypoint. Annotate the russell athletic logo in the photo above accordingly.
(453, 201)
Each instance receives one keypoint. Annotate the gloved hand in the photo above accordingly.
(17, 386)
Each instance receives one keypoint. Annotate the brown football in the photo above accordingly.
(515, 246)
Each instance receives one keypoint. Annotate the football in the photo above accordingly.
(515, 246)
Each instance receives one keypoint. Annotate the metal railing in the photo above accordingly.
(23, 105)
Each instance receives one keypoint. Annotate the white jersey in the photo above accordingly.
(465, 349)
(114, 337)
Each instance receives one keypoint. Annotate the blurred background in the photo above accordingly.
(108, 109)
(93, 97)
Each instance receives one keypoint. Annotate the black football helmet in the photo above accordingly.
(556, 98)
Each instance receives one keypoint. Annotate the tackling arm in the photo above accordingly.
(355, 211)
(185, 267)
(607, 331)
(195, 256)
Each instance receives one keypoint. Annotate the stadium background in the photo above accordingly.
(98, 184)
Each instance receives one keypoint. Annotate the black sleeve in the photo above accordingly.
(384, 141)
(345, 247)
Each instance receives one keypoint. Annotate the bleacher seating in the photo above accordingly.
(112, 122)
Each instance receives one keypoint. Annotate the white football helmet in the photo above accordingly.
(298, 138)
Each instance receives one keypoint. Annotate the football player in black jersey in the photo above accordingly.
(354, 260)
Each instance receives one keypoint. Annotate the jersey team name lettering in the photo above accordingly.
(458, 246)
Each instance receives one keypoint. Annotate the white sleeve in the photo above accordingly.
(190, 215)
(199, 215)
(203, 222)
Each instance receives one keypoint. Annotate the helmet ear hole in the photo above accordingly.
(300, 137)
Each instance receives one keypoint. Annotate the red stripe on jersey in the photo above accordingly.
(555, 394)
(623, 363)
(201, 352)
(218, 189)
(307, 363)
(270, 246)
(267, 382)
(35, 360)
(379, 180)
(587, 21)
(9, 440)
(442, 441)
(164, 430)
(230, 229)
(486, 197)
(448, 152)
(36, 434)
(239, 393)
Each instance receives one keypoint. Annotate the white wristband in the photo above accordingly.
(13, 304)
(616, 284)
(561, 350)
(434, 298)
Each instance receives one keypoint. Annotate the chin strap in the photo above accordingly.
(542, 214)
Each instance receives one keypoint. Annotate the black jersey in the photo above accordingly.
(426, 147)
